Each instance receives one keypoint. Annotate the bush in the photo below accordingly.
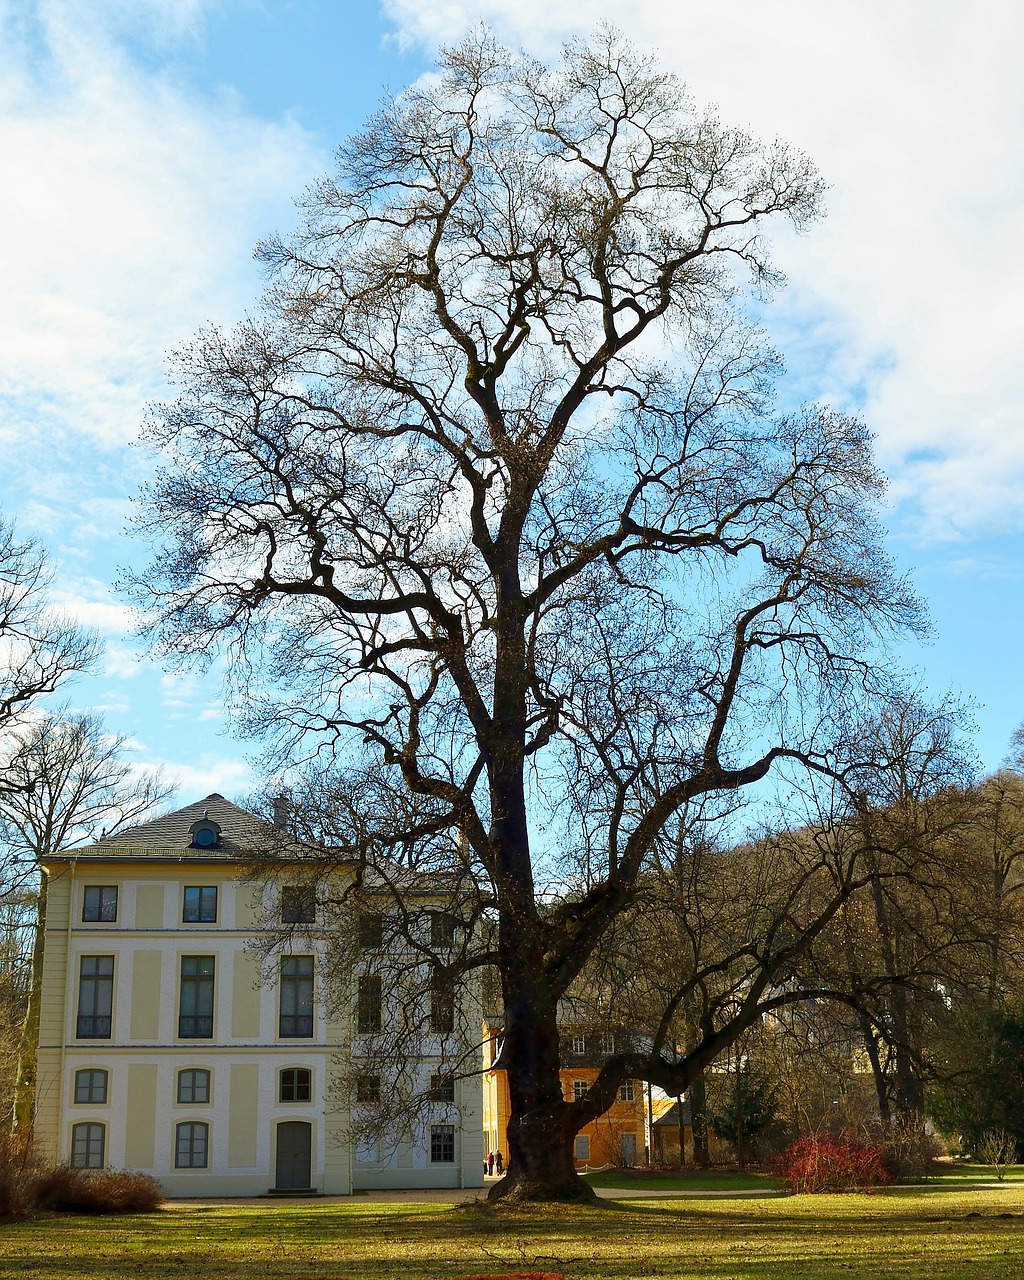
(19, 1179)
(28, 1186)
(98, 1191)
(824, 1163)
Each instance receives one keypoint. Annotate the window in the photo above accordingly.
(579, 1089)
(200, 904)
(442, 929)
(370, 931)
(368, 1090)
(194, 1085)
(95, 997)
(579, 1044)
(90, 1086)
(581, 1148)
(607, 1042)
(296, 996)
(87, 1146)
(298, 905)
(442, 1144)
(100, 902)
(442, 1005)
(368, 1004)
(295, 1085)
(191, 1143)
(626, 1093)
(442, 1088)
(195, 1011)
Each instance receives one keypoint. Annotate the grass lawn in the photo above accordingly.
(697, 1180)
(914, 1234)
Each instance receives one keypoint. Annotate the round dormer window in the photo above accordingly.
(205, 833)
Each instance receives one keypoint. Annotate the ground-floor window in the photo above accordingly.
(582, 1146)
(191, 1146)
(87, 1146)
(442, 1144)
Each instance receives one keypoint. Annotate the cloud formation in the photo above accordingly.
(903, 304)
(130, 208)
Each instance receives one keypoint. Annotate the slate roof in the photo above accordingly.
(169, 836)
(671, 1116)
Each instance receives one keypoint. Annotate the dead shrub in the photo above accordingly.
(19, 1179)
(99, 1191)
(28, 1186)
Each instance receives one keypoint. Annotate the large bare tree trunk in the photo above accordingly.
(542, 1125)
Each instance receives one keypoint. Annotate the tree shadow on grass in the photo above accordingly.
(803, 1238)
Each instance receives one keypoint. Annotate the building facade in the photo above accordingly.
(164, 1048)
(616, 1138)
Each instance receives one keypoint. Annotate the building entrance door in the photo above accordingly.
(294, 1152)
(629, 1149)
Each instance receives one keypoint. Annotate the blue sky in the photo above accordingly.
(147, 145)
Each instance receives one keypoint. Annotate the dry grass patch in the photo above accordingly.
(909, 1234)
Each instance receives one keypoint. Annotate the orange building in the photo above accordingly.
(615, 1138)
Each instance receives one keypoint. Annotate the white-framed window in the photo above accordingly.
(579, 1089)
(442, 1144)
(626, 1092)
(579, 1044)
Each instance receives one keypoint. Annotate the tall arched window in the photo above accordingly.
(87, 1143)
(191, 1145)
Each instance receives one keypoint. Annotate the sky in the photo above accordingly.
(147, 145)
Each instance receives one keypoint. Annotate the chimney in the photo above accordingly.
(281, 812)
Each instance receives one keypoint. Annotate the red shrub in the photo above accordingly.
(824, 1163)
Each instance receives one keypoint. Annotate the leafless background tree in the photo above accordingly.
(69, 782)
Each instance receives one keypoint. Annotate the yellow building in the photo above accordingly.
(615, 1138)
(161, 1049)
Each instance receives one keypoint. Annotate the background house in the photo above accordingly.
(161, 1049)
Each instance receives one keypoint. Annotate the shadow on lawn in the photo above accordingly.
(612, 1240)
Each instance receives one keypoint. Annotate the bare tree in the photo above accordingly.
(491, 505)
(39, 647)
(69, 782)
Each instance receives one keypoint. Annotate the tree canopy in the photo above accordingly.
(492, 508)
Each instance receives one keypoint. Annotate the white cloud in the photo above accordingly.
(905, 301)
(127, 220)
(207, 773)
(93, 605)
